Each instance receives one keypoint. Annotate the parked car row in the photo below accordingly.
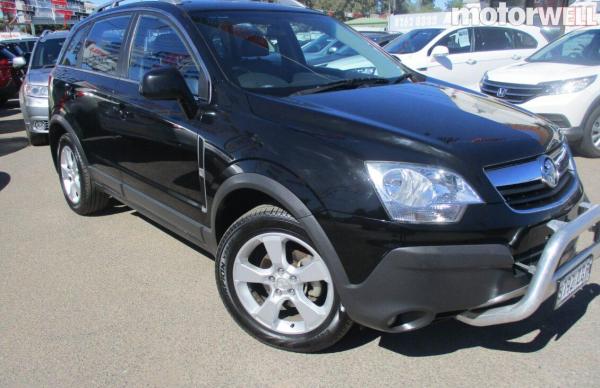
(459, 55)
(559, 82)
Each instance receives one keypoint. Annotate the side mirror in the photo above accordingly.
(18, 62)
(332, 50)
(167, 83)
(439, 51)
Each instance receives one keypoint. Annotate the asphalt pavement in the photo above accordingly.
(115, 300)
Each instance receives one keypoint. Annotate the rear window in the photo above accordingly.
(103, 45)
(46, 53)
(75, 45)
(523, 40)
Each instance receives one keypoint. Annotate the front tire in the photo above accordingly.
(82, 195)
(276, 286)
(590, 144)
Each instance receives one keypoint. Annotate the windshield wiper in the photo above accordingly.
(343, 84)
(402, 78)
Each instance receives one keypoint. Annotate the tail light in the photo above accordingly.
(5, 70)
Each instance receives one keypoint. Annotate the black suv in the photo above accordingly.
(327, 196)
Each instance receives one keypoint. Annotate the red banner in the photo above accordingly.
(8, 7)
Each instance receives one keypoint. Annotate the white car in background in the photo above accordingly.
(459, 55)
(560, 82)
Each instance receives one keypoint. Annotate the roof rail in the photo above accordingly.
(116, 3)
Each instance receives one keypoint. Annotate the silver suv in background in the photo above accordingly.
(33, 94)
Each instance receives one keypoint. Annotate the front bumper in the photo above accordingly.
(412, 286)
(35, 113)
(547, 271)
(567, 111)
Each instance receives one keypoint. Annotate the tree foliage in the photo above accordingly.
(340, 7)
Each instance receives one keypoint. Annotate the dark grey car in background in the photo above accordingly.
(33, 94)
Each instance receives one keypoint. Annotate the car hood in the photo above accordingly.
(38, 76)
(531, 73)
(472, 128)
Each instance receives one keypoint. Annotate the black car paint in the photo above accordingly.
(308, 153)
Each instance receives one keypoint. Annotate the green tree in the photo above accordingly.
(454, 4)
(340, 7)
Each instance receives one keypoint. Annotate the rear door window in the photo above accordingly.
(492, 39)
(102, 47)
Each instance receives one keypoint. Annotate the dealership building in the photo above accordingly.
(24, 15)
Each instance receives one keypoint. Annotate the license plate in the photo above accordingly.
(573, 281)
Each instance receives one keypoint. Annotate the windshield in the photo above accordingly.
(412, 41)
(579, 48)
(46, 52)
(314, 46)
(262, 51)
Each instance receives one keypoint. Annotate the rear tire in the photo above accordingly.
(289, 303)
(82, 195)
(590, 144)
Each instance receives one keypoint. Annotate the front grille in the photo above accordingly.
(522, 187)
(514, 93)
(535, 194)
(40, 125)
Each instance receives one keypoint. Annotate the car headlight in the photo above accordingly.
(415, 193)
(36, 90)
(568, 86)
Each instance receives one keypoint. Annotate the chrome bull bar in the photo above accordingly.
(544, 281)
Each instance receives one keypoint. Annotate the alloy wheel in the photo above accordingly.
(283, 283)
(69, 172)
(596, 133)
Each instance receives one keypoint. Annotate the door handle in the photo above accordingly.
(122, 112)
(516, 57)
(70, 91)
(471, 61)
